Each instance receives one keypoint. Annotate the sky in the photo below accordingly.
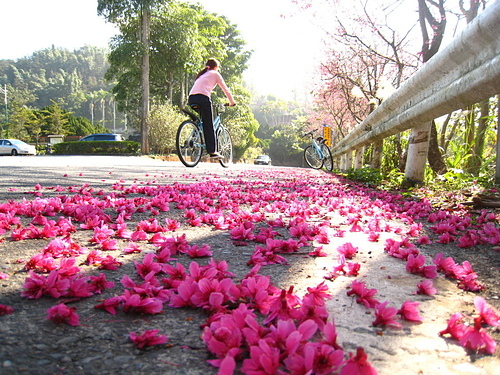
(286, 44)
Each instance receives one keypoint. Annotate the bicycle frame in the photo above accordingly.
(199, 122)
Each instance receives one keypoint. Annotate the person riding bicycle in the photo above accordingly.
(205, 82)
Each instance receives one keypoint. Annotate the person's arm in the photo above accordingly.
(227, 92)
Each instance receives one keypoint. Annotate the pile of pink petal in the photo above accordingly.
(251, 323)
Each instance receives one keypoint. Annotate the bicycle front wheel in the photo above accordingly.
(189, 143)
(312, 158)
(225, 147)
(327, 157)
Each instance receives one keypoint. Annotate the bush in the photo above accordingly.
(97, 148)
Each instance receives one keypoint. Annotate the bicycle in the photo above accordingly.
(317, 154)
(190, 143)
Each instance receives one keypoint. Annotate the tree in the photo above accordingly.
(120, 11)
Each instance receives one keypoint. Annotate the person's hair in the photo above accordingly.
(209, 65)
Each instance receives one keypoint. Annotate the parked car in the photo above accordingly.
(16, 147)
(262, 159)
(103, 137)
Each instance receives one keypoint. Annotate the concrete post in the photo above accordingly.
(378, 147)
(418, 146)
(358, 161)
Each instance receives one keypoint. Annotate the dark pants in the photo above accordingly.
(205, 108)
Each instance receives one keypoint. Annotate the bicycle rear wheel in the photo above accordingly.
(312, 158)
(225, 147)
(327, 157)
(189, 143)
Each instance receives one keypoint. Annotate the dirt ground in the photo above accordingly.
(31, 344)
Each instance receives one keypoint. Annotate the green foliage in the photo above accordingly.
(183, 36)
(97, 148)
(163, 123)
(367, 175)
(287, 145)
(57, 75)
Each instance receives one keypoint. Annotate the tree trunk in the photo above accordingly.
(434, 156)
(477, 153)
(144, 111)
(497, 170)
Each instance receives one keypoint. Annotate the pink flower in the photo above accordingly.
(347, 250)
(148, 338)
(409, 311)
(318, 252)
(358, 364)
(455, 328)
(5, 310)
(132, 248)
(384, 315)
(110, 304)
(264, 359)
(476, 338)
(365, 296)
(63, 314)
(426, 287)
(196, 251)
(487, 313)
(99, 283)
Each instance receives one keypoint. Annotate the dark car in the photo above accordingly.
(262, 159)
(103, 137)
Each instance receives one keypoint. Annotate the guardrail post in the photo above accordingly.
(358, 161)
(378, 147)
(418, 147)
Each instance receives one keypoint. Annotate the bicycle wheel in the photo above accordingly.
(225, 147)
(312, 158)
(327, 157)
(189, 143)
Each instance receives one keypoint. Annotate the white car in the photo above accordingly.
(16, 147)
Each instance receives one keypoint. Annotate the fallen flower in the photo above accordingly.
(6, 310)
(148, 338)
(476, 338)
(455, 328)
(358, 364)
(63, 314)
(426, 287)
(487, 313)
(384, 315)
(409, 311)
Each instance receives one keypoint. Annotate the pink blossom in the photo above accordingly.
(347, 250)
(384, 315)
(264, 359)
(99, 283)
(3, 276)
(426, 287)
(409, 311)
(318, 252)
(365, 296)
(6, 310)
(487, 313)
(148, 265)
(476, 338)
(455, 327)
(63, 314)
(132, 248)
(148, 338)
(196, 251)
(110, 304)
(358, 364)
(110, 263)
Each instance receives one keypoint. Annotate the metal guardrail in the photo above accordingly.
(463, 73)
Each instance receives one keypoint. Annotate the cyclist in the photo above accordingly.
(205, 82)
